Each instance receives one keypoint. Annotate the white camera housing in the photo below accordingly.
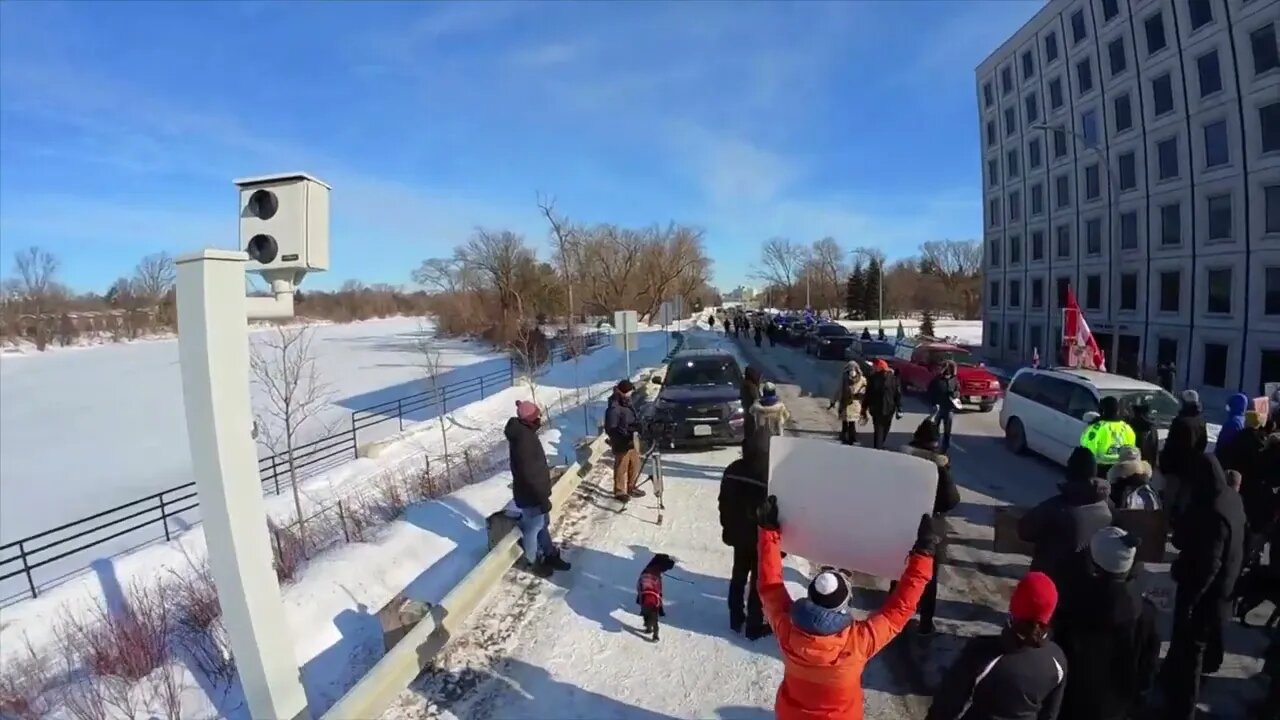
(284, 225)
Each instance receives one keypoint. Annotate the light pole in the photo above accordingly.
(1101, 151)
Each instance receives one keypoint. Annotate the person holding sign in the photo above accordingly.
(824, 650)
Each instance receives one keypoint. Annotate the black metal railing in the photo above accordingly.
(180, 505)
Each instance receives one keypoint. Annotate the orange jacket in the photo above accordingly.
(823, 665)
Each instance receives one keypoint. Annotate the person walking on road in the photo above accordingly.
(1019, 674)
(883, 403)
(758, 333)
(1236, 406)
(924, 445)
(1145, 435)
(726, 325)
(1130, 481)
(1107, 434)
(620, 427)
(531, 489)
(1107, 631)
(1061, 526)
(824, 649)
(742, 490)
(1210, 537)
(943, 393)
(850, 392)
(748, 394)
(1187, 440)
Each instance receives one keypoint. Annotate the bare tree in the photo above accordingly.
(497, 256)
(780, 264)
(284, 368)
(37, 270)
(154, 276)
(957, 265)
(827, 262)
(429, 357)
(566, 250)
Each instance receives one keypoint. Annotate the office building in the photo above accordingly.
(1131, 152)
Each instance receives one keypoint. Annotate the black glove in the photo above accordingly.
(767, 513)
(926, 537)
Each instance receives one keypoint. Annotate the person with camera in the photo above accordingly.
(824, 649)
(620, 427)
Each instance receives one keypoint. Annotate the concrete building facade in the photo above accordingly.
(1131, 151)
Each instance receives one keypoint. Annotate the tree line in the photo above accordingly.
(944, 278)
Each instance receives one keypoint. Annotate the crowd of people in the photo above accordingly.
(1081, 642)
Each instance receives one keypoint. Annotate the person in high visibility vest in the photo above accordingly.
(1107, 434)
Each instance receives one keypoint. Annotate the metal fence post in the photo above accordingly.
(26, 568)
(400, 411)
(164, 518)
(481, 387)
(275, 474)
(355, 446)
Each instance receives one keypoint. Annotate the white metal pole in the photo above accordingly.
(213, 347)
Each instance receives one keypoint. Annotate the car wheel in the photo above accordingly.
(1015, 437)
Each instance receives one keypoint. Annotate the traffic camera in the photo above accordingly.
(284, 226)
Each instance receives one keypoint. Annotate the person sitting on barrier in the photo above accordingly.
(531, 489)
(824, 649)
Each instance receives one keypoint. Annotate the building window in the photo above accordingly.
(1093, 292)
(1271, 291)
(1129, 291)
(1271, 195)
(1129, 230)
(1092, 186)
(1037, 291)
(1064, 241)
(991, 133)
(1269, 122)
(1219, 282)
(1215, 365)
(1089, 127)
(1128, 171)
(1216, 151)
(1006, 80)
(1037, 245)
(1167, 155)
(1013, 335)
(1077, 26)
(1210, 73)
(1037, 199)
(1033, 153)
(1166, 351)
(1219, 217)
(1055, 93)
(1036, 336)
(1268, 368)
(1032, 107)
(1124, 113)
(1050, 47)
(1155, 33)
(1011, 163)
(1201, 13)
(1059, 144)
(1170, 290)
(1062, 190)
(1115, 50)
(988, 97)
(1064, 284)
(1015, 206)
(1015, 249)
(1110, 9)
(1162, 95)
(1028, 65)
(993, 172)
(1265, 55)
(995, 212)
(1093, 236)
(993, 334)
(1171, 224)
(1015, 293)
(995, 294)
(1084, 76)
(1010, 121)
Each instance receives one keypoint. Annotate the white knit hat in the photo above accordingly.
(1114, 550)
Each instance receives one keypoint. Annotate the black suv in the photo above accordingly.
(699, 403)
(829, 340)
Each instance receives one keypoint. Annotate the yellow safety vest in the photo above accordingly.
(1104, 439)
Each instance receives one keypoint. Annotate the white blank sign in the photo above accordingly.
(847, 506)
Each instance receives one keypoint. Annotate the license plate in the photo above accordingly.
(971, 399)
(701, 430)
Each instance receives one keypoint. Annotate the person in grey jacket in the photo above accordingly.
(1061, 526)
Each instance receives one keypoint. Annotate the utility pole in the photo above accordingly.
(880, 312)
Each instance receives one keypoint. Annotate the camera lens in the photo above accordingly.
(263, 204)
(262, 249)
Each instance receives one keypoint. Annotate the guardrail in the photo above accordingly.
(166, 508)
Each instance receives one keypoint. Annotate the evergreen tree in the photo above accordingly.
(871, 291)
(926, 324)
(855, 293)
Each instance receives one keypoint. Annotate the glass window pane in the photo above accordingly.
(1210, 74)
(1215, 144)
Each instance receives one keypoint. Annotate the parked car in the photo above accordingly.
(698, 401)
(867, 352)
(829, 340)
(978, 385)
(797, 332)
(1046, 410)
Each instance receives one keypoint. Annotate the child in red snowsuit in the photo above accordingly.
(649, 592)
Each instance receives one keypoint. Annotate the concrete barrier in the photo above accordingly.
(404, 661)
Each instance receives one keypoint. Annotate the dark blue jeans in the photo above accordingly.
(944, 425)
(537, 539)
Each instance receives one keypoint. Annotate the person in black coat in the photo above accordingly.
(1107, 630)
(1061, 526)
(620, 426)
(531, 489)
(1017, 675)
(1144, 431)
(748, 394)
(742, 489)
(1210, 537)
(883, 401)
(942, 392)
(1187, 440)
(924, 444)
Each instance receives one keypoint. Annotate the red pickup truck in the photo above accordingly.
(917, 364)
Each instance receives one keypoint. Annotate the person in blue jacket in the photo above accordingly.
(1234, 423)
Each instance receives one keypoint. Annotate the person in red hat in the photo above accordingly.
(883, 402)
(1019, 674)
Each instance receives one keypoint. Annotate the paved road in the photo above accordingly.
(565, 649)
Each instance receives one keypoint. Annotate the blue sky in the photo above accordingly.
(123, 123)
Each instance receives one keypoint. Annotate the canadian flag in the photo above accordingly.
(1080, 348)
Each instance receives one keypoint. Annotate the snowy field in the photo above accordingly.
(89, 428)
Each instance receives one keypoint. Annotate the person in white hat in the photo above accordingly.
(1130, 480)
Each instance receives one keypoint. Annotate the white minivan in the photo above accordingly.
(1046, 410)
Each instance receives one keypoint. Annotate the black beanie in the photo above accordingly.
(1082, 465)
(829, 589)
